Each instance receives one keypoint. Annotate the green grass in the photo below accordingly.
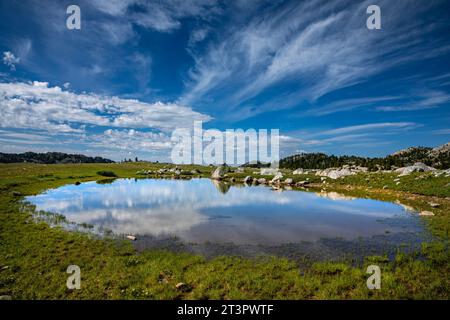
(104, 173)
(34, 257)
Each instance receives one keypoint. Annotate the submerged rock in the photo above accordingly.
(405, 207)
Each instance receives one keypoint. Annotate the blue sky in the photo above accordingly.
(139, 69)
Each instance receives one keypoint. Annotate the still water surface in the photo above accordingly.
(202, 210)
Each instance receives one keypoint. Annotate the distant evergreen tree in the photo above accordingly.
(50, 158)
(440, 160)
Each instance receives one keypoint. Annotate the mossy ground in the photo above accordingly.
(34, 257)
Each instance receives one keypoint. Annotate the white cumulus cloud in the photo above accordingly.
(36, 105)
(10, 60)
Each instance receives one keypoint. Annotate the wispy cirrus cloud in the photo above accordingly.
(299, 66)
(442, 131)
(163, 16)
(428, 99)
(349, 104)
(337, 140)
(370, 127)
(312, 48)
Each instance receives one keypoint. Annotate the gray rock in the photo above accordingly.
(248, 180)
(5, 297)
(219, 173)
(183, 287)
(417, 167)
(288, 181)
(434, 205)
(268, 171)
(360, 169)
(334, 173)
(277, 178)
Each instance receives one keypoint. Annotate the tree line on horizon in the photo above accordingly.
(435, 157)
(439, 160)
(50, 158)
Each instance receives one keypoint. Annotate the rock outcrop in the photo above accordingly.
(417, 167)
(219, 173)
(248, 180)
(277, 178)
(268, 171)
(334, 173)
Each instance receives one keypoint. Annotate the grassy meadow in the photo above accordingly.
(34, 257)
